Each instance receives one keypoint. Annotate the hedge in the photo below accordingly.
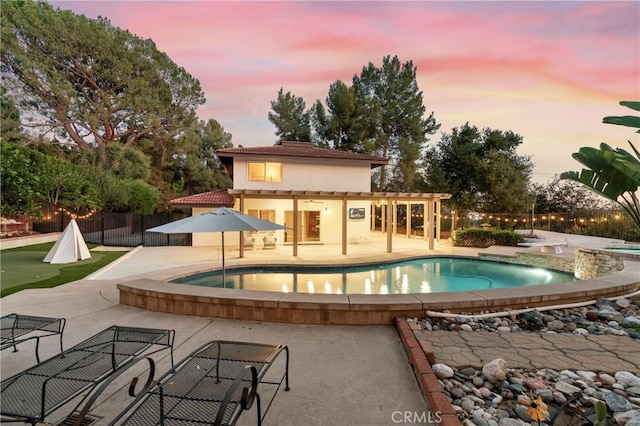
(476, 237)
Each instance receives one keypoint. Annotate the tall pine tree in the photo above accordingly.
(392, 114)
(290, 118)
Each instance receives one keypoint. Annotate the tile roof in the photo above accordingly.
(211, 199)
(300, 149)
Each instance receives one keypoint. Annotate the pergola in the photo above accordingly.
(430, 201)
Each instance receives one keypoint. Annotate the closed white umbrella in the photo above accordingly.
(221, 220)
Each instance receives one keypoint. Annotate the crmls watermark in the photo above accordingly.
(416, 417)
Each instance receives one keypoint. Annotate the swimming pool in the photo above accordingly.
(629, 249)
(425, 275)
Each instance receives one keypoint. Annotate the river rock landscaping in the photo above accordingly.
(497, 395)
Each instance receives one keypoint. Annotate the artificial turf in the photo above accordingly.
(22, 268)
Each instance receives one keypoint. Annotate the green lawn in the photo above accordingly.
(22, 268)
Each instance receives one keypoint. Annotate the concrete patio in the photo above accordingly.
(340, 375)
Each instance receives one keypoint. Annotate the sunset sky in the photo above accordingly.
(547, 70)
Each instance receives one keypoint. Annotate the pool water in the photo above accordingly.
(629, 249)
(428, 275)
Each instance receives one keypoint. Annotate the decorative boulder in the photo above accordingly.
(495, 371)
(442, 371)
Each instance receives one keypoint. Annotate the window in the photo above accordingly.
(269, 215)
(265, 172)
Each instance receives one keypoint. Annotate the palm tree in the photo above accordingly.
(612, 173)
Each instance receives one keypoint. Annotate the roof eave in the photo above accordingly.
(207, 205)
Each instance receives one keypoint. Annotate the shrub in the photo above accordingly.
(507, 238)
(143, 198)
(476, 237)
(128, 195)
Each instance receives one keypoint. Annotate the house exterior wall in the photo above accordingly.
(204, 239)
(358, 230)
(232, 239)
(329, 190)
(310, 175)
(302, 174)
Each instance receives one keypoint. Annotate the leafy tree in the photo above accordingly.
(19, 188)
(127, 195)
(197, 169)
(28, 176)
(128, 162)
(91, 82)
(290, 118)
(612, 173)
(65, 184)
(481, 170)
(143, 198)
(559, 195)
(393, 119)
(505, 178)
(341, 126)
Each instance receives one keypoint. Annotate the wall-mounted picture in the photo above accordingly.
(356, 213)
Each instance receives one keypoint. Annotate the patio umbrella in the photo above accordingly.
(219, 220)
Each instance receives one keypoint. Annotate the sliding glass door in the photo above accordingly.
(308, 226)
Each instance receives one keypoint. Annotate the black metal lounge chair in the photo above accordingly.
(16, 329)
(32, 395)
(212, 386)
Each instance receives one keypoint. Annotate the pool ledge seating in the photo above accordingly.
(360, 309)
(546, 246)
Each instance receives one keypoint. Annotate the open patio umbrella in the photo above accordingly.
(219, 220)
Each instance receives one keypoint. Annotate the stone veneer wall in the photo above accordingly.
(535, 259)
(593, 263)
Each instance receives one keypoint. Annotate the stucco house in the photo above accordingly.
(322, 195)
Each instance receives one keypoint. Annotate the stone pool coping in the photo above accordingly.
(361, 309)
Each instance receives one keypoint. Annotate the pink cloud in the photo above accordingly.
(479, 60)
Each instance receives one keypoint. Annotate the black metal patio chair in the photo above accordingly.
(212, 386)
(16, 329)
(34, 394)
